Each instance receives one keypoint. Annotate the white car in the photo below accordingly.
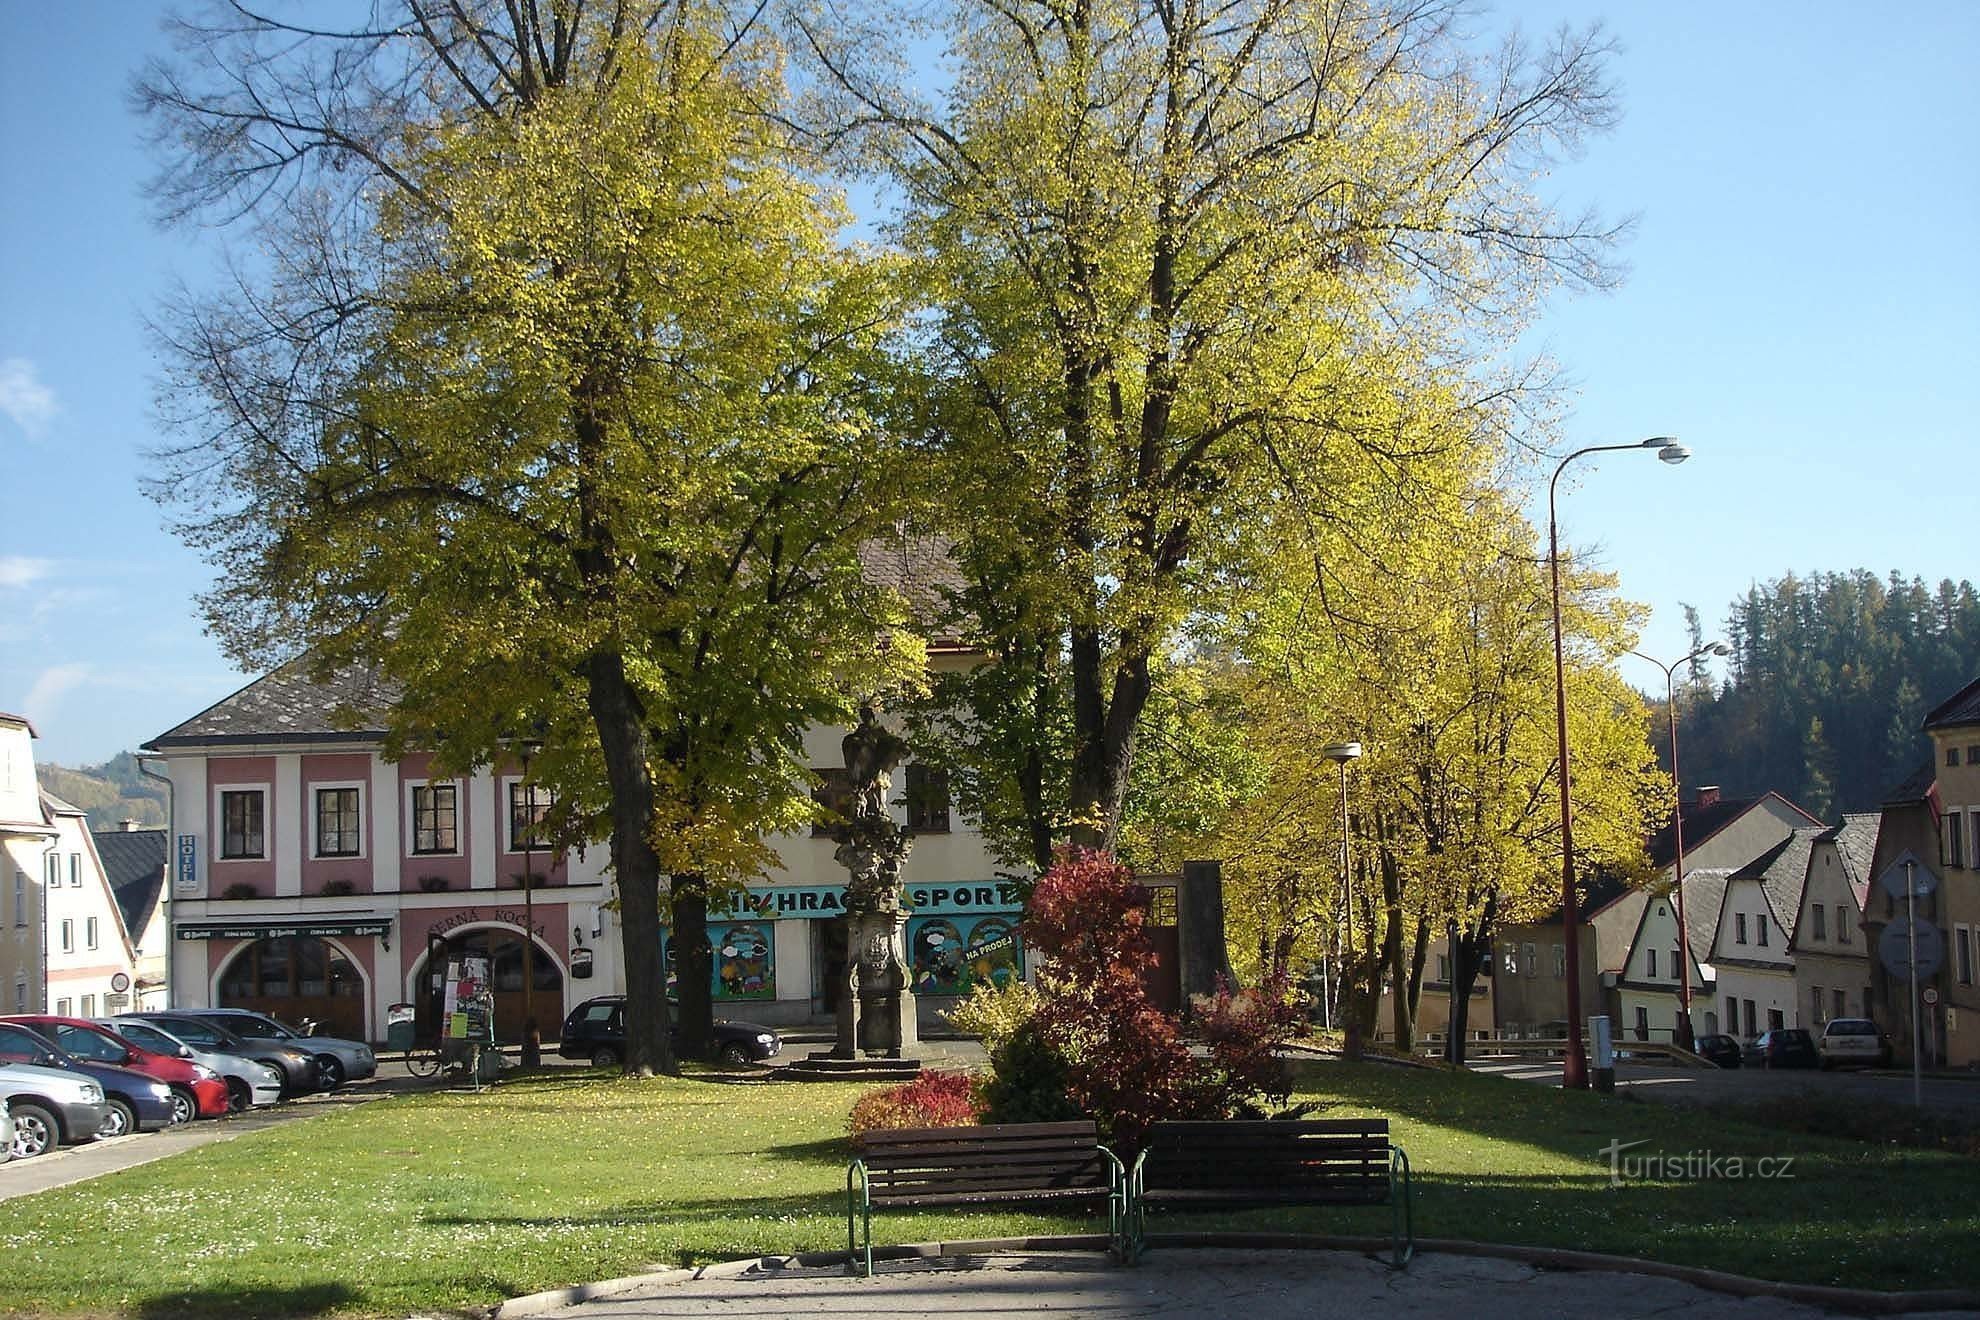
(50, 1106)
(1853, 1040)
(250, 1083)
(6, 1130)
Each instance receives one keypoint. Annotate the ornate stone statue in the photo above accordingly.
(876, 1008)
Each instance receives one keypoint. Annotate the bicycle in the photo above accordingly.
(425, 1061)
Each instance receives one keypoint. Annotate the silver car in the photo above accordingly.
(50, 1106)
(337, 1061)
(6, 1130)
(250, 1083)
(1854, 1040)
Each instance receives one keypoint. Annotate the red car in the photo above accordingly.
(196, 1089)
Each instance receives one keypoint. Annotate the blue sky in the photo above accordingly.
(1803, 310)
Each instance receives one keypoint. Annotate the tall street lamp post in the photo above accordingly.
(1574, 1064)
(532, 1037)
(1340, 754)
(1684, 1033)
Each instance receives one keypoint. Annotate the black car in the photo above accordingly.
(1722, 1050)
(596, 1031)
(297, 1066)
(1783, 1047)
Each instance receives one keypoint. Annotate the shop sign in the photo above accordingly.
(279, 929)
(779, 902)
(188, 863)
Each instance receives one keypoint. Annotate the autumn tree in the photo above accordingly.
(547, 395)
(1180, 257)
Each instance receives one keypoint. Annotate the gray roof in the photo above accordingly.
(1962, 707)
(1704, 898)
(1783, 873)
(1856, 844)
(923, 571)
(134, 864)
(290, 705)
(1916, 787)
(55, 806)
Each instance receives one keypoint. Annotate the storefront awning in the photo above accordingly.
(270, 928)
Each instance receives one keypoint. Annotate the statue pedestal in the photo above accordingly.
(876, 1007)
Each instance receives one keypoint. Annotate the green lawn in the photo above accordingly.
(453, 1201)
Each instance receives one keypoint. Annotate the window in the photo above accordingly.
(1821, 931)
(1815, 1018)
(75, 870)
(20, 996)
(1963, 953)
(1950, 853)
(53, 869)
(1511, 956)
(20, 897)
(1841, 1005)
(1752, 1027)
(1732, 1014)
(337, 822)
(1651, 955)
(68, 935)
(834, 793)
(1973, 754)
(1739, 928)
(1843, 924)
(1774, 1019)
(528, 803)
(1643, 1024)
(1760, 928)
(89, 932)
(927, 799)
(1530, 955)
(436, 818)
(1443, 969)
(63, 1007)
(1560, 961)
(1674, 962)
(1952, 756)
(89, 1010)
(241, 825)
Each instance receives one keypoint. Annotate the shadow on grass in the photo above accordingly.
(832, 1151)
(298, 1303)
(655, 1212)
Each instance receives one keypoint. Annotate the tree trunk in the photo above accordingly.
(622, 737)
(1409, 989)
(694, 966)
(1469, 949)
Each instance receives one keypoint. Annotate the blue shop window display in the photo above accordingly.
(951, 955)
(745, 961)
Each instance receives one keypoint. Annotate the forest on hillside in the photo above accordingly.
(110, 792)
(1830, 678)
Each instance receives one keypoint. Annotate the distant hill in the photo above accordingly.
(110, 792)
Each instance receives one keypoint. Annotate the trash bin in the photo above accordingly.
(400, 1026)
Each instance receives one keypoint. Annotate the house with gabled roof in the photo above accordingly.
(1530, 988)
(1831, 955)
(1648, 990)
(1908, 826)
(134, 864)
(91, 964)
(1752, 950)
(25, 837)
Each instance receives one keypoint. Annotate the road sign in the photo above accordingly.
(1895, 948)
(1907, 869)
(1931, 995)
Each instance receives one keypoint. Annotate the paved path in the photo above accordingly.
(1952, 1095)
(1254, 1285)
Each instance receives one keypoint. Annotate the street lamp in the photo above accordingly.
(1684, 1033)
(531, 1041)
(1340, 754)
(1574, 1064)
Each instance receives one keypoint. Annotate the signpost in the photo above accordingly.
(1912, 950)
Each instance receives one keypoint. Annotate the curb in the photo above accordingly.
(1860, 1301)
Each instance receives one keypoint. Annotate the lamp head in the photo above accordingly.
(1718, 648)
(1668, 449)
(1342, 752)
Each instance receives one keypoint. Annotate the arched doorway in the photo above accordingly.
(504, 949)
(293, 977)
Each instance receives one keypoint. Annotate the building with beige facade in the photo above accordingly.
(25, 838)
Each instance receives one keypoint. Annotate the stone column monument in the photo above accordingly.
(876, 1007)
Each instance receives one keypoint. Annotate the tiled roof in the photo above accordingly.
(1704, 896)
(921, 569)
(288, 705)
(1782, 872)
(1917, 786)
(134, 863)
(1856, 843)
(1962, 707)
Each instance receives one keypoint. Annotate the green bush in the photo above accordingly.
(993, 1014)
(1029, 1081)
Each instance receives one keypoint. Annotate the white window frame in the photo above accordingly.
(1739, 928)
(75, 870)
(89, 1006)
(1760, 929)
(1962, 954)
(1843, 923)
(539, 790)
(89, 932)
(20, 897)
(1952, 839)
(1820, 930)
(1650, 964)
(218, 847)
(412, 816)
(68, 933)
(64, 1007)
(316, 852)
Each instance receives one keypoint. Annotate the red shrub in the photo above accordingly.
(933, 1099)
(1244, 1031)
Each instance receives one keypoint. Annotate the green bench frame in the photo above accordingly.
(1231, 1163)
(998, 1164)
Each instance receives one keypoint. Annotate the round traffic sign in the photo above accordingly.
(120, 983)
(1931, 995)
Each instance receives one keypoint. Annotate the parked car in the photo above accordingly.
(50, 1106)
(132, 1102)
(1722, 1050)
(596, 1031)
(337, 1061)
(1783, 1047)
(197, 1091)
(1854, 1040)
(6, 1129)
(297, 1066)
(249, 1082)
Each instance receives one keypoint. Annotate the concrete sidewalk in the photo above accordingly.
(1256, 1285)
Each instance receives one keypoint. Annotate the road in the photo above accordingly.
(1951, 1095)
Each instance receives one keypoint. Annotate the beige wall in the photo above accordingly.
(24, 837)
(1959, 807)
(1836, 957)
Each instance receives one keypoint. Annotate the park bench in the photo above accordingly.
(999, 1164)
(1237, 1163)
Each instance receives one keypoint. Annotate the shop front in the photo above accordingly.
(782, 950)
(295, 970)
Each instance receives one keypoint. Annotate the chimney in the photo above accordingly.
(1708, 795)
(128, 824)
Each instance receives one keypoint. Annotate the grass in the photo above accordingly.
(450, 1202)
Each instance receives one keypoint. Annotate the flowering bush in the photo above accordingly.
(1245, 1030)
(933, 1099)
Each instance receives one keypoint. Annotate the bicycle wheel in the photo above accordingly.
(423, 1063)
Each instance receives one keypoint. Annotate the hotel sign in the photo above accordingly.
(187, 858)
